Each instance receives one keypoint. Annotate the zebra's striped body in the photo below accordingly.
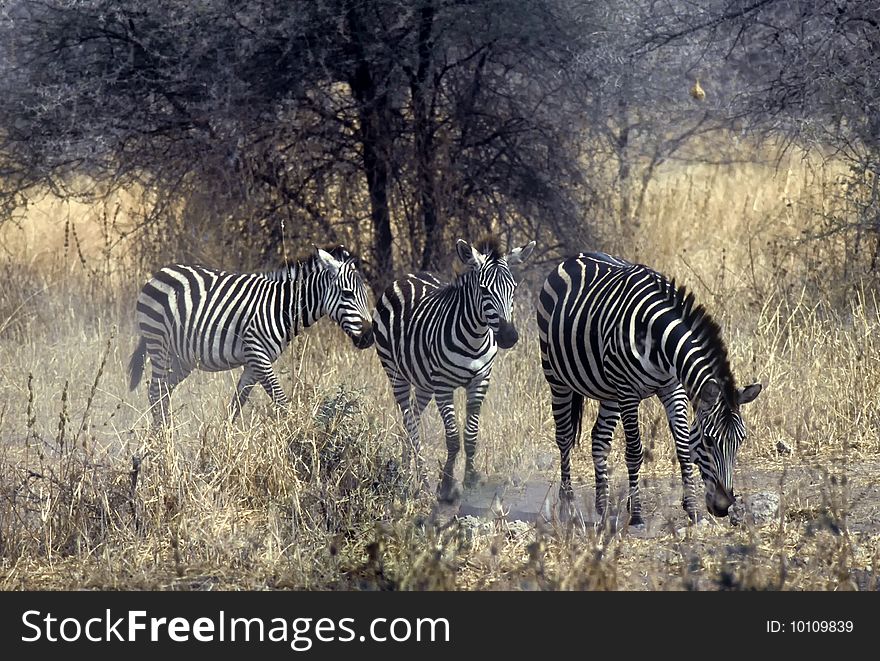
(433, 338)
(618, 333)
(193, 317)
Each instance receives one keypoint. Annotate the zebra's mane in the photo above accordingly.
(707, 332)
(308, 258)
(490, 246)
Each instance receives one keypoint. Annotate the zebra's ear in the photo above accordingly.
(709, 394)
(468, 254)
(340, 253)
(328, 262)
(748, 394)
(519, 255)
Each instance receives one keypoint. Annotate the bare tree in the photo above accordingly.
(395, 126)
(391, 125)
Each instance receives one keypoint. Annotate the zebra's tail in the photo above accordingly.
(577, 416)
(136, 364)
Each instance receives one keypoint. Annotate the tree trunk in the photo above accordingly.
(423, 115)
(374, 117)
(376, 171)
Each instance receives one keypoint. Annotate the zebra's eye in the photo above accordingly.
(347, 293)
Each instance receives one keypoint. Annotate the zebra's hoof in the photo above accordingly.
(569, 512)
(566, 493)
(473, 479)
(448, 492)
(606, 524)
(636, 521)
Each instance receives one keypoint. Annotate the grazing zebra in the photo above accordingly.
(193, 317)
(619, 332)
(434, 338)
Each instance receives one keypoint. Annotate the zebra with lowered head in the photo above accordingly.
(618, 333)
(194, 317)
(433, 337)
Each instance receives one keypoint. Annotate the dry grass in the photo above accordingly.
(315, 497)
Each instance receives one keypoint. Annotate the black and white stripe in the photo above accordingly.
(619, 332)
(433, 338)
(193, 317)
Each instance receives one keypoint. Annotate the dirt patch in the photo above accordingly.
(815, 495)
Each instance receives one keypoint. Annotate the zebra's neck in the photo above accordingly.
(686, 343)
(686, 359)
(467, 314)
(303, 285)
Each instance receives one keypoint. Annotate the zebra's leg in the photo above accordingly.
(629, 413)
(402, 391)
(162, 382)
(262, 370)
(600, 441)
(422, 399)
(566, 434)
(476, 392)
(446, 489)
(675, 401)
(160, 397)
(412, 417)
(246, 383)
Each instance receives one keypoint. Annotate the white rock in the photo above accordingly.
(757, 509)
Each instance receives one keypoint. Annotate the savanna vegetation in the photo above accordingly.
(236, 134)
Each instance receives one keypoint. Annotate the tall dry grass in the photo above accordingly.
(315, 496)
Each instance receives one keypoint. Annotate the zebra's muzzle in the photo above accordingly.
(365, 339)
(506, 336)
(719, 501)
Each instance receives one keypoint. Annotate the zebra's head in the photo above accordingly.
(345, 295)
(496, 284)
(716, 435)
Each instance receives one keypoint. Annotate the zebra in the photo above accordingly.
(194, 317)
(433, 337)
(619, 333)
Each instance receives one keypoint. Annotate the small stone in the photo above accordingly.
(473, 527)
(757, 509)
(518, 528)
(783, 448)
